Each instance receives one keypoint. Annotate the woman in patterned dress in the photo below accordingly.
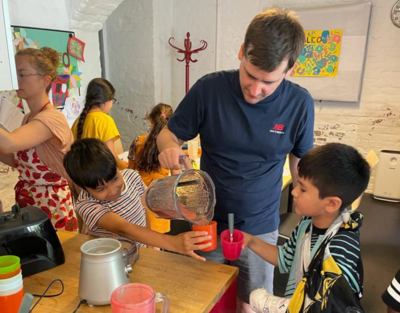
(36, 149)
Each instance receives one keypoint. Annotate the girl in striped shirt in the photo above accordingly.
(110, 202)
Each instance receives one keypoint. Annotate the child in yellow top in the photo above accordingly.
(95, 121)
(143, 157)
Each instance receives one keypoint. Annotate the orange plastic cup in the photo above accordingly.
(11, 303)
(10, 274)
(211, 229)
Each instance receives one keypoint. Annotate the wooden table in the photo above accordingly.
(191, 285)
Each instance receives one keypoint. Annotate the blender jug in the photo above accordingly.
(103, 268)
(188, 196)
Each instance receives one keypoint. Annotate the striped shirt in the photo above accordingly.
(128, 206)
(344, 248)
(392, 294)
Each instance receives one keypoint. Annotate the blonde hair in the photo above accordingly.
(45, 61)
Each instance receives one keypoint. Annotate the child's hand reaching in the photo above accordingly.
(247, 240)
(186, 243)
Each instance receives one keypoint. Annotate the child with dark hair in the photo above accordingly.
(95, 121)
(330, 178)
(110, 202)
(143, 157)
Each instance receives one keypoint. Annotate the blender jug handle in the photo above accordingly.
(185, 163)
(160, 297)
(130, 255)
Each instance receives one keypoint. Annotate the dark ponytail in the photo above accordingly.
(99, 91)
(147, 159)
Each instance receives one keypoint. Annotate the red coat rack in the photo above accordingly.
(187, 52)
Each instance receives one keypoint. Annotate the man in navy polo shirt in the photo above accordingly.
(249, 120)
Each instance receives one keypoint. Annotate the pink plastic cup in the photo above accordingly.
(137, 298)
(232, 250)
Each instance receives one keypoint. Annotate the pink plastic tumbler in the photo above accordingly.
(137, 298)
(232, 249)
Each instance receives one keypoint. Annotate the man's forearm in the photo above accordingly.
(293, 164)
(166, 139)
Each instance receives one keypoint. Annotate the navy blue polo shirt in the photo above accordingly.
(244, 146)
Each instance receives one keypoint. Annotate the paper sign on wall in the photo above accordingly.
(320, 56)
(72, 109)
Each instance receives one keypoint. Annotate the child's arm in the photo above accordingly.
(121, 164)
(132, 153)
(148, 226)
(183, 243)
(265, 250)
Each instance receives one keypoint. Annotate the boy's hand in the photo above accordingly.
(186, 243)
(154, 248)
(247, 240)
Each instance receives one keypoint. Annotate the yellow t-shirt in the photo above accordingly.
(97, 125)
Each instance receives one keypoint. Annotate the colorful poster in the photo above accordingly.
(25, 37)
(58, 40)
(320, 56)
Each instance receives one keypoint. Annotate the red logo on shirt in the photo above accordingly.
(278, 127)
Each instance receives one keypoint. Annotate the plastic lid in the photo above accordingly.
(9, 263)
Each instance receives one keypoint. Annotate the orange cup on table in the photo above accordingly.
(211, 229)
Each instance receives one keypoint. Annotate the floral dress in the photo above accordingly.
(40, 186)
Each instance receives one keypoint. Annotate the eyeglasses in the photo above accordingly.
(114, 100)
(22, 76)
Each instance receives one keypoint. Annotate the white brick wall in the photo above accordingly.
(129, 54)
(373, 123)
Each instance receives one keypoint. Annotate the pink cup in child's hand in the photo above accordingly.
(232, 250)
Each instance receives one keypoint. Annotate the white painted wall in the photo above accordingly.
(129, 54)
(141, 64)
(200, 19)
(163, 57)
(373, 123)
